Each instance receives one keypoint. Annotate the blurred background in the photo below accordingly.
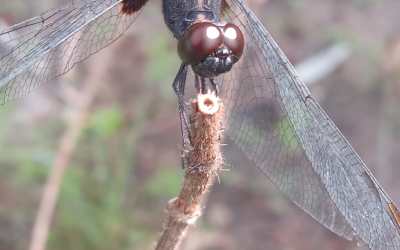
(124, 165)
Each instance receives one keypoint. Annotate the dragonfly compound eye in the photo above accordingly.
(234, 39)
(199, 41)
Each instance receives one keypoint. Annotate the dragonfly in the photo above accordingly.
(271, 116)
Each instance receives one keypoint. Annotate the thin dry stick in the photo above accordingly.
(67, 146)
(51, 190)
(204, 160)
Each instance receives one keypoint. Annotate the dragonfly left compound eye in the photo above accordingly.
(199, 41)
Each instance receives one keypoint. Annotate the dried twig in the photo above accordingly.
(52, 188)
(64, 153)
(322, 64)
(204, 160)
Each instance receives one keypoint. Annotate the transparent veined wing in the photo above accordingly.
(272, 118)
(49, 45)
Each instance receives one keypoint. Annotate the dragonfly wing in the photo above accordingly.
(277, 124)
(49, 45)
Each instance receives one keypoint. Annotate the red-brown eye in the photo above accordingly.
(199, 41)
(234, 39)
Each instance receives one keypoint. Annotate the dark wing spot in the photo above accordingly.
(224, 6)
(395, 214)
(131, 6)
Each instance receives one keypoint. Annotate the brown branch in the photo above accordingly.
(52, 188)
(65, 151)
(204, 160)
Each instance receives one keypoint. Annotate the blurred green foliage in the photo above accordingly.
(91, 212)
(163, 63)
(164, 183)
(106, 122)
(98, 207)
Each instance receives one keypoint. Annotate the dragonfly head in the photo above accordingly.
(211, 49)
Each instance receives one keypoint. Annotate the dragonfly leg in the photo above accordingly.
(203, 85)
(197, 168)
(197, 84)
(179, 89)
(214, 86)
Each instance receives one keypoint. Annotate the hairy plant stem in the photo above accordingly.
(204, 160)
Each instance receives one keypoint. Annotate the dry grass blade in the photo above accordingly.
(65, 151)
